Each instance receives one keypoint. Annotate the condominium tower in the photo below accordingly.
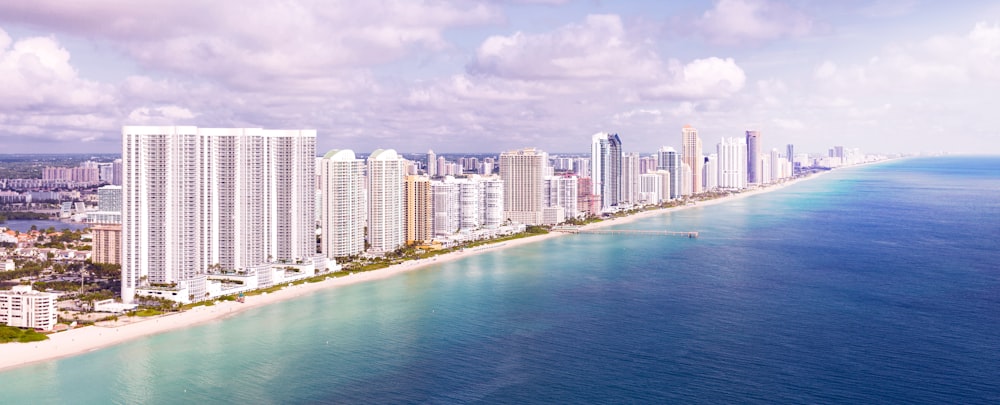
(523, 174)
(386, 201)
(194, 198)
(342, 187)
(606, 168)
(753, 157)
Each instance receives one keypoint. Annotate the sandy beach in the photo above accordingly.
(105, 334)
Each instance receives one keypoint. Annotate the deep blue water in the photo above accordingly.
(878, 284)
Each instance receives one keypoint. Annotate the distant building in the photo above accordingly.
(668, 159)
(23, 307)
(754, 174)
(606, 168)
(561, 191)
(109, 206)
(691, 155)
(419, 210)
(431, 163)
(630, 178)
(732, 163)
(710, 173)
(107, 243)
(523, 173)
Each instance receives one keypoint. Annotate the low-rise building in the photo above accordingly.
(24, 307)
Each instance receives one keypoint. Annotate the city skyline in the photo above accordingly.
(885, 76)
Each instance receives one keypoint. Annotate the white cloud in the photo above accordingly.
(36, 75)
(701, 79)
(303, 43)
(169, 114)
(733, 22)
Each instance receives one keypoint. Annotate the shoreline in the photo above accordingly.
(110, 333)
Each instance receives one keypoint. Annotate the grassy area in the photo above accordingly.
(146, 312)
(13, 334)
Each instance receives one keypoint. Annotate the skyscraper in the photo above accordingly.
(342, 190)
(753, 157)
(732, 163)
(386, 201)
(419, 210)
(630, 178)
(668, 159)
(691, 153)
(606, 167)
(431, 163)
(194, 198)
(523, 173)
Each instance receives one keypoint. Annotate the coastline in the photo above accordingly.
(107, 334)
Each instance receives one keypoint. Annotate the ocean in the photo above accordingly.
(874, 284)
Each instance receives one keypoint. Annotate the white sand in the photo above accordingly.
(86, 339)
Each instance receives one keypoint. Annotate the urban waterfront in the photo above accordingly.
(869, 284)
(24, 225)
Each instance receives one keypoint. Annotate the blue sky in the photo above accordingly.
(483, 76)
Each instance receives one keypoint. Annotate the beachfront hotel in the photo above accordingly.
(386, 201)
(208, 200)
(523, 173)
(26, 308)
(606, 168)
(342, 204)
(691, 155)
(732, 163)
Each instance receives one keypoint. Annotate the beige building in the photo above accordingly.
(691, 155)
(26, 308)
(419, 212)
(523, 174)
(107, 243)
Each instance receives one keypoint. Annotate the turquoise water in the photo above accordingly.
(866, 285)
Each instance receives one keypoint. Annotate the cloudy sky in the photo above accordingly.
(490, 75)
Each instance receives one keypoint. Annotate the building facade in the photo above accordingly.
(523, 173)
(754, 175)
(195, 199)
(386, 201)
(342, 204)
(691, 155)
(606, 168)
(23, 307)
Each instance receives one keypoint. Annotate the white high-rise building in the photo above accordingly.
(445, 206)
(711, 172)
(732, 163)
(686, 180)
(651, 188)
(561, 191)
(431, 163)
(196, 198)
(386, 201)
(492, 208)
(470, 199)
(630, 178)
(606, 166)
(666, 179)
(668, 159)
(523, 173)
(342, 188)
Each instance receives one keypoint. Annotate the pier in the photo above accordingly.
(576, 229)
